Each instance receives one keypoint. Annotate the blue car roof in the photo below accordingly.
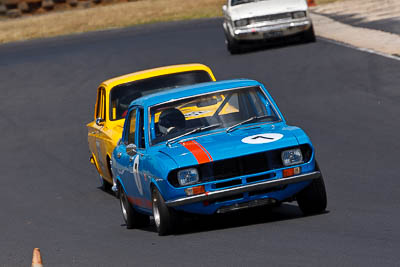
(190, 90)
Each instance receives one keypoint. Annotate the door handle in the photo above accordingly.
(119, 155)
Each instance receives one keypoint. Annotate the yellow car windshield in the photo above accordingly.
(122, 95)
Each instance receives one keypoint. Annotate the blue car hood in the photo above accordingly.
(214, 146)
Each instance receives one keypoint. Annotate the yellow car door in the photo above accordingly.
(97, 136)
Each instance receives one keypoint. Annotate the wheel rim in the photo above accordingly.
(123, 209)
(101, 181)
(156, 212)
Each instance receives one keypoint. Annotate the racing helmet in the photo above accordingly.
(171, 119)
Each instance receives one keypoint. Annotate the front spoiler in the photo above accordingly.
(242, 189)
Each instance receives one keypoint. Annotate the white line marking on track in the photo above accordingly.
(367, 50)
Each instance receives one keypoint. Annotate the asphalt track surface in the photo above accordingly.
(346, 100)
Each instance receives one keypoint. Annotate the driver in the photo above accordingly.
(171, 120)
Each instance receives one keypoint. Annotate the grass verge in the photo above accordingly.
(321, 2)
(107, 17)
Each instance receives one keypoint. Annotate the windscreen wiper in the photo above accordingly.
(197, 130)
(249, 120)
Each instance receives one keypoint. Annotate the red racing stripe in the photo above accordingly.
(205, 150)
(198, 151)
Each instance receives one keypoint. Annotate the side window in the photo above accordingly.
(132, 127)
(141, 129)
(101, 104)
(98, 104)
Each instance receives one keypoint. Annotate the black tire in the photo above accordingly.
(233, 47)
(165, 218)
(312, 199)
(231, 44)
(309, 35)
(104, 185)
(132, 218)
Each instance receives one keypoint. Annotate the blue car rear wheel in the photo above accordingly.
(132, 218)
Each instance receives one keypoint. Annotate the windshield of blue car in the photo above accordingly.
(202, 113)
(122, 95)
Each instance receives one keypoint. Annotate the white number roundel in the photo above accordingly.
(136, 175)
(262, 138)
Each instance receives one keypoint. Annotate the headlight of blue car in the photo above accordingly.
(292, 157)
(188, 176)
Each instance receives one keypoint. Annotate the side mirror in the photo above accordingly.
(224, 8)
(131, 149)
(99, 121)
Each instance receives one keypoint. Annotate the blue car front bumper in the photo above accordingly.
(200, 203)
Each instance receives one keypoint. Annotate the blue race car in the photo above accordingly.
(211, 148)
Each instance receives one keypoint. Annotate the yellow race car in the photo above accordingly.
(114, 97)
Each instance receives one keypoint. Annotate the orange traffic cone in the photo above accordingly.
(36, 258)
(311, 3)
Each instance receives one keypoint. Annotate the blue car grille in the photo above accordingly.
(241, 166)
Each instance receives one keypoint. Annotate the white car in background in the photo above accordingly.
(260, 20)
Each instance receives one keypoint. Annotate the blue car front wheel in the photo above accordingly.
(165, 218)
(312, 199)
